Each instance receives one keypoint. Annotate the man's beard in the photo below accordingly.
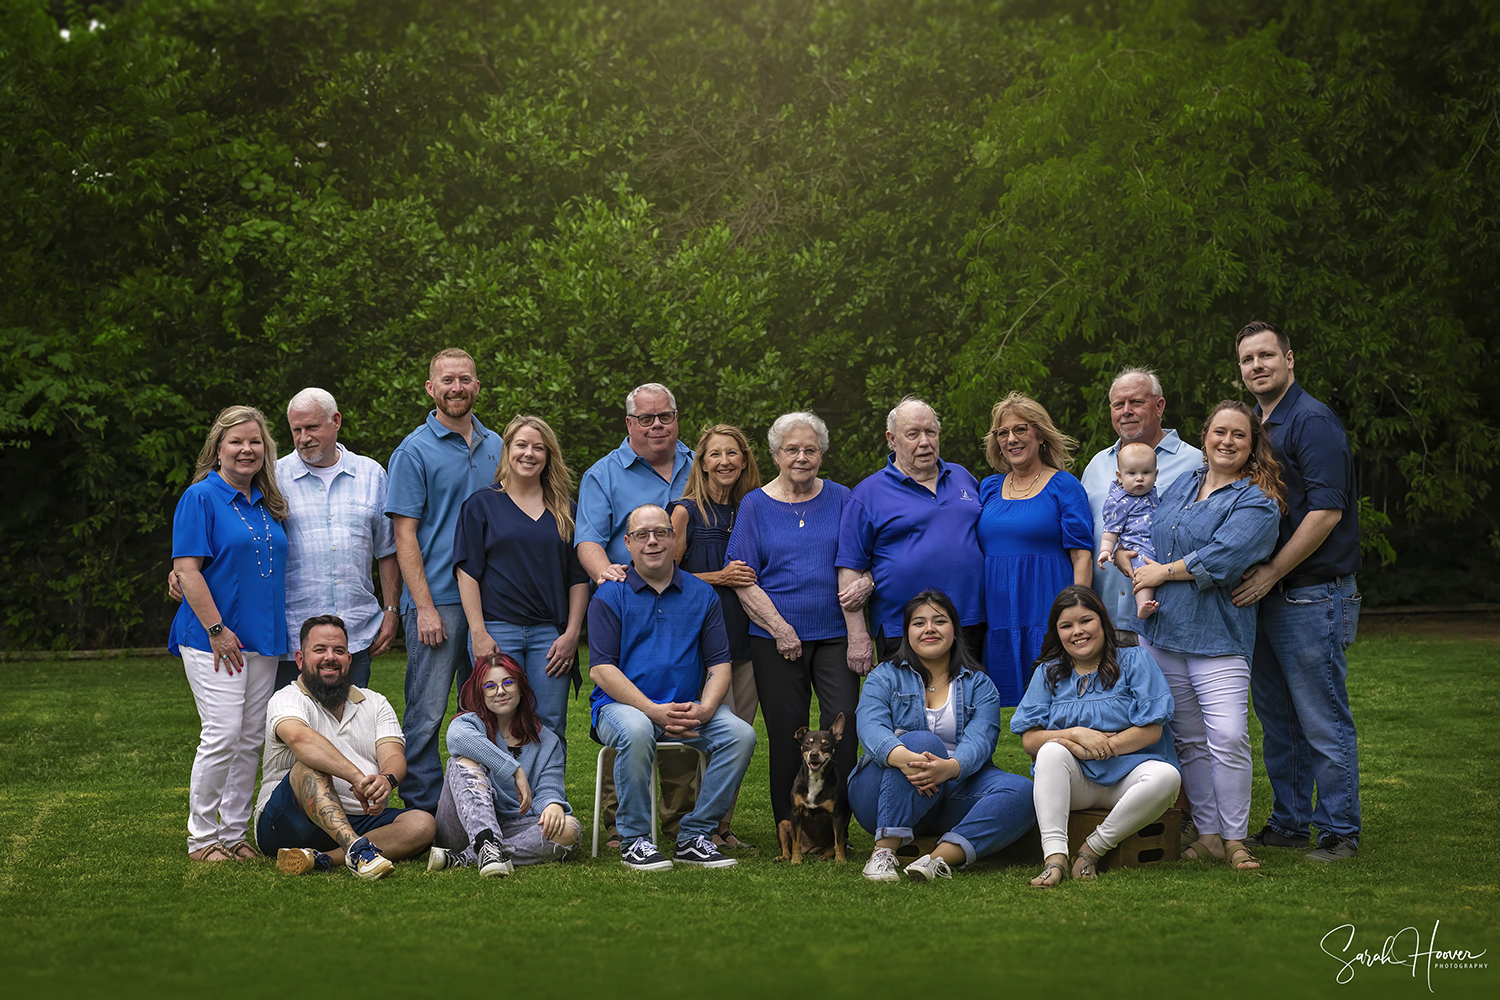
(456, 409)
(330, 696)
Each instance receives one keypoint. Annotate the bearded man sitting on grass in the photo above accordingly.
(334, 754)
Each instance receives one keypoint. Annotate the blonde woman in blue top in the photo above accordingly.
(1209, 529)
(229, 552)
(1095, 719)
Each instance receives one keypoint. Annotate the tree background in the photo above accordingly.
(765, 204)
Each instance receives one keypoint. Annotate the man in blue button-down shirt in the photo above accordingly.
(1136, 406)
(433, 471)
(1309, 609)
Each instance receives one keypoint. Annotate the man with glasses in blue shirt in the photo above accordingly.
(650, 467)
(659, 659)
(1309, 610)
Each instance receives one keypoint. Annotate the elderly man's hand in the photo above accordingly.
(614, 571)
(861, 654)
(854, 596)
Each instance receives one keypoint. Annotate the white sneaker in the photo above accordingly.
(928, 869)
(882, 866)
(365, 861)
(437, 859)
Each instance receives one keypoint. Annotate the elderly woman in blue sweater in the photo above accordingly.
(503, 802)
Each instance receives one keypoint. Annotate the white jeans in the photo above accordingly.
(232, 711)
(1212, 728)
(1059, 787)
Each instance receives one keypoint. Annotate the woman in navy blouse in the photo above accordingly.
(787, 533)
(1036, 532)
(1094, 718)
(1210, 528)
(723, 471)
(229, 554)
(523, 590)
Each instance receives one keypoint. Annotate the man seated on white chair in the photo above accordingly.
(659, 659)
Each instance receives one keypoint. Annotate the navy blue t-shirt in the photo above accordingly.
(524, 567)
(1317, 469)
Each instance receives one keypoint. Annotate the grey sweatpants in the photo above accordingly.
(467, 806)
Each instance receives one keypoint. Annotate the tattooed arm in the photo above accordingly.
(317, 754)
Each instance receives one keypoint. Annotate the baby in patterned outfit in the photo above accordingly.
(1127, 516)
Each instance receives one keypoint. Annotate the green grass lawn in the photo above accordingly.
(98, 898)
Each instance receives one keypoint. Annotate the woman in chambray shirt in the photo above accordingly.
(1210, 528)
(928, 719)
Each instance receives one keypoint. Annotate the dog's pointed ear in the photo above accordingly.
(799, 734)
(837, 729)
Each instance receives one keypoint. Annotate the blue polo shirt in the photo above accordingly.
(616, 485)
(1317, 469)
(432, 473)
(912, 539)
(663, 643)
(243, 550)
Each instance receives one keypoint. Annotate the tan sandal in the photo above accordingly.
(1241, 860)
(1200, 851)
(214, 852)
(242, 851)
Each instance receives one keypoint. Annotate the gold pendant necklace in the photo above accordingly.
(1016, 494)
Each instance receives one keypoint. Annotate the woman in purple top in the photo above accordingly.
(787, 532)
(1037, 535)
(229, 552)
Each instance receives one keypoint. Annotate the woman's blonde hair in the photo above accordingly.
(1057, 447)
(265, 479)
(696, 489)
(557, 481)
(1261, 466)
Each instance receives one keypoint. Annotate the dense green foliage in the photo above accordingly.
(766, 204)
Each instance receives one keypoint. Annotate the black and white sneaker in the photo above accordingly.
(494, 860)
(644, 857)
(701, 851)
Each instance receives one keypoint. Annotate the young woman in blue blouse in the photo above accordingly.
(928, 720)
(523, 590)
(1209, 528)
(503, 802)
(229, 554)
(1095, 720)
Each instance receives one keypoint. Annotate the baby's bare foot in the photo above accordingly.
(1146, 610)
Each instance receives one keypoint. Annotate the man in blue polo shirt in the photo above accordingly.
(437, 467)
(1136, 405)
(911, 526)
(650, 466)
(659, 658)
(1309, 610)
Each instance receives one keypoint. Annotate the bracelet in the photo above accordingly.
(391, 609)
(1170, 572)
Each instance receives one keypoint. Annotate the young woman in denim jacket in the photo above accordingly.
(1094, 719)
(928, 720)
(1209, 529)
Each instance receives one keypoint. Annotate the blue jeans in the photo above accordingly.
(728, 740)
(430, 675)
(528, 645)
(1297, 681)
(359, 670)
(981, 813)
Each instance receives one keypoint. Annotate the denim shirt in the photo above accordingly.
(893, 702)
(1218, 538)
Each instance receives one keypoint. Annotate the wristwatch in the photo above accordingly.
(216, 628)
(394, 783)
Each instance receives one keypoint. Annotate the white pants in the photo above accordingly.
(1059, 787)
(232, 711)
(1212, 728)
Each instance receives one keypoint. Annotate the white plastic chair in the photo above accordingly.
(655, 820)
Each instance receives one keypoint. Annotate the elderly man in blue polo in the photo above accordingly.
(910, 527)
(650, 466)
(659, 659)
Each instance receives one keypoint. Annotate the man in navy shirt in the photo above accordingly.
(911, 526)
(659, 658)
(1309, 609)
(433, 471)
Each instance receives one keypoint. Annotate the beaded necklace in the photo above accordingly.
(270, 567)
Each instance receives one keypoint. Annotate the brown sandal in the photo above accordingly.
(1241, 860)
(242, 851)
(214, 852)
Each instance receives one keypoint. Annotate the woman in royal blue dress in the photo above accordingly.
(1037, 535)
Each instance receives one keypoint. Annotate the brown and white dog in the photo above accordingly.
(819, 826)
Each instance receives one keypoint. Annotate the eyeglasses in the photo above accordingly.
(491, 688)
(645, 533)
(647, 419)
(1018, 431)
(791, 452)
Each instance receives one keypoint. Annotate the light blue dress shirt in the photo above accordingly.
(616, 485)
(1174, 458)
(334, 534)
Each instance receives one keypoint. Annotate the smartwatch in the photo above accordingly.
(216, 628)
(394, 783)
